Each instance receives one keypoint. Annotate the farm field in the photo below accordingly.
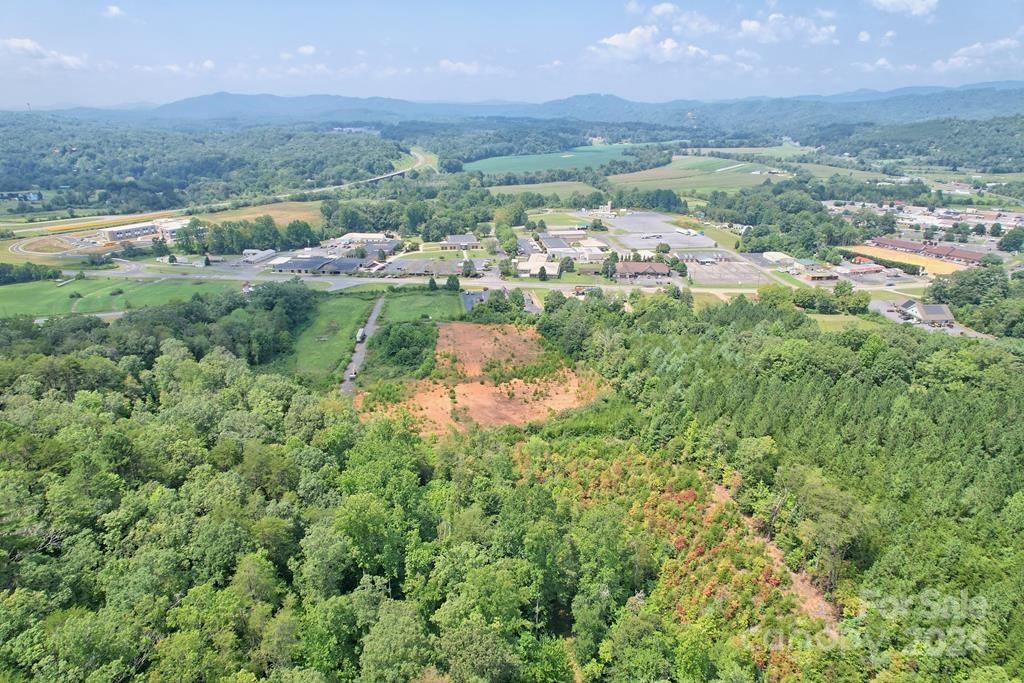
(695, 174)
(282, 213)
(411, 306)
(580, 157)
(556, 219)
(46, 298)
(784, 151)
(839, 322)
(329, 340)
(822, 171)
(934, 265)
(562, 189)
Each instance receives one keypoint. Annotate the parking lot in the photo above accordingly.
(644, 230)
(727, 273)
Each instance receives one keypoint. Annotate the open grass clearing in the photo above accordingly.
(411, 306)
(323, 348)
(784, 151)
(839, 322)
(562, 189)
(283, 213)
(581, 157)
(824, 172)
(697, 174)
(97, 295)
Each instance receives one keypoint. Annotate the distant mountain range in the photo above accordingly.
(975, 101)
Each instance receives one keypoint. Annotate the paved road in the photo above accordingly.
(348, 386)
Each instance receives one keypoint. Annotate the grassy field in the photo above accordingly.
(556, 219)
(580, 157)
(836, 323)
(405, 307)
(934, 265)
(824, 172)
(562, 189)
(696, 174)
(322, 350)
(282, 213)
(784, 151)
(46, 298)
(725, 239)
(705, 299)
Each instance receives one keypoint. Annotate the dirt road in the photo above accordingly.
(348, 385)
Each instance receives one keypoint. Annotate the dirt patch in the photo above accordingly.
(810, 599)
(468, 397)
(474, 346)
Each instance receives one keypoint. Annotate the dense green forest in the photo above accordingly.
(984, 299)
(125, 169)
(172, 512)
(993, 146)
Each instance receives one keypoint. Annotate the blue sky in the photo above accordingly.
(56, 52)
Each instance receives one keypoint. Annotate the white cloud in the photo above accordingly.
(825, 13)
(779, 27)
(287, 56)
(915, 8)
(883, 64)
(634, 7)
(888, 37)
(664, 9)
(864, 37)
(208, 65)
(553, 64)
(30, 49)
(113, 12)
(306, 50)
(632, 42)
(458, 68)
(645, 43)
(977, 54)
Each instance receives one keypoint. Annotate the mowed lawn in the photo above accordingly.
(580, 157)
(283, 213)
(410, 306)
(696, 174)
(837, 323)
(324, 347)
(562, 189)
(46, 298)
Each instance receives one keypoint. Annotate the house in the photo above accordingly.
(460, 242)
(930, 314)
(471, 299)
(635, 269)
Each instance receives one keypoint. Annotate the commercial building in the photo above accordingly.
(531, 265)
(459, 242)
(928, 314)
(635, 269)
(778, 258)
(253, 256)
(126, 232)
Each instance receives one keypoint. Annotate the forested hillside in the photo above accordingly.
(995, 146)
(172, 512)
(123, 169)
